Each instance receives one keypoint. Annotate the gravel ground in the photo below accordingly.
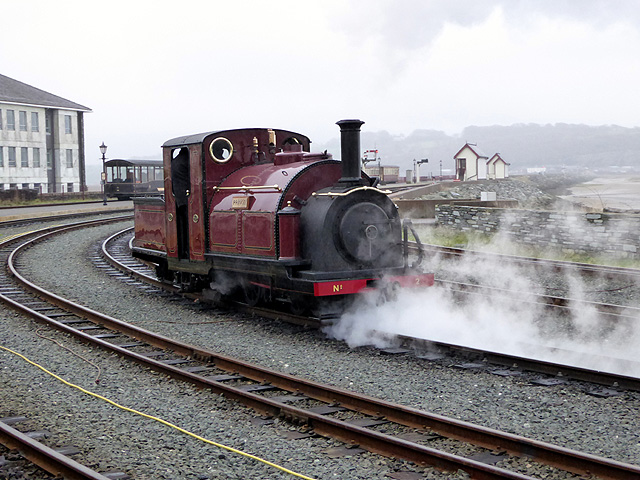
(563, 414)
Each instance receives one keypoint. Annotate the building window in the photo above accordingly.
(69, 187)
(35, 124)
(36, 158)
(24, 157)
(12, 157)
(13, 186)
(1, 187)
(22, 115)
(25, 186)
(38, 186)
(67, 124)
(49, 159)
(47, 123)
(0, 119)
(1, 157)
(11, 120)
(69, 158)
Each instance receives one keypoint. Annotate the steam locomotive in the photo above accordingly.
(253, 212)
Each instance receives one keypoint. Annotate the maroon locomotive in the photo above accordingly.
(251, 210)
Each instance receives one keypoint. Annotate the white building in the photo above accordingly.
(497, 168)
(41, 139)
(472, 164)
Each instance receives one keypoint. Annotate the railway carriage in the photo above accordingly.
(128, 178)
(254, 211)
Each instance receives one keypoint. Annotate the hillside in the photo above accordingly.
(556, 147)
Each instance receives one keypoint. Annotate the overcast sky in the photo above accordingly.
(153, 70)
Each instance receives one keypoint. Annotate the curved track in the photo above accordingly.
(118, 255)
(51, 460)
(142, 271)
(328, 410)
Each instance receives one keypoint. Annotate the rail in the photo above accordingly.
(335, 398)
(46, 457)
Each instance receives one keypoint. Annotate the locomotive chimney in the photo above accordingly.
(350, 151)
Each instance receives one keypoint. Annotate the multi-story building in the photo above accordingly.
(41, 139)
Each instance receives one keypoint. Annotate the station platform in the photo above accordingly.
(8, 214)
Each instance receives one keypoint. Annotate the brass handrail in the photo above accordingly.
(249, 188)
(344, 194)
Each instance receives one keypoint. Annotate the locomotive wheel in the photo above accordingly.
(391, 292)
(381, 299)
(252, 294)
(163, 273)
(300, 304)
(388, 294)
(188, 282)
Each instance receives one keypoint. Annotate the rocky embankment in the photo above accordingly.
(534, 192)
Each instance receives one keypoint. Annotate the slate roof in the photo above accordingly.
(474, 148)
(13, 91)
(495, 158)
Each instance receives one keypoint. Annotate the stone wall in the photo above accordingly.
(572, 232)
(18, 195)
(427, 208)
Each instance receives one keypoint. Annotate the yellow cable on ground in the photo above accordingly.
(164, 422)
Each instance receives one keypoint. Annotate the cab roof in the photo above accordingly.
(200, 137)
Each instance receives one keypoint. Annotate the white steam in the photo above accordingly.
(505, 321)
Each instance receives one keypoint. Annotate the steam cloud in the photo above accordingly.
(503, 322)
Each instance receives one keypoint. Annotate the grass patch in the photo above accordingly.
(449, 237)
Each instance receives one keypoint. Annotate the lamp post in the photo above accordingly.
(103, 150)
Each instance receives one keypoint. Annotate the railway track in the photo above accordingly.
(605, 271)
(56, 461)
(325, 410)
(615, 312)
(115, 251)
(559, 312)
(622, 277)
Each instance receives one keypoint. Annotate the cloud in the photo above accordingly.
(152, 70)
(408, 25)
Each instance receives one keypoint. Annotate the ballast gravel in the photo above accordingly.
(113, 439)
